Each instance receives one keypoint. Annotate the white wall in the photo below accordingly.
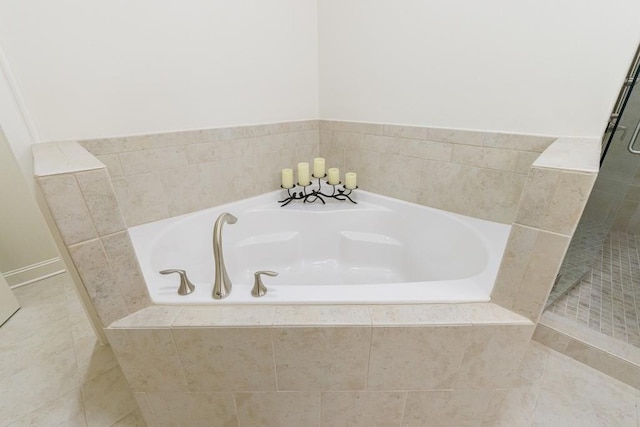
(24, 238)
(97, 69)
(101, 69)
(545, 67)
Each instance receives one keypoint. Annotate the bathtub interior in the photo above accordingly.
(379, 241)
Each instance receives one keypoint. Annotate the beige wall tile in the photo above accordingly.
(334, 157)
(514, 263)
(325, 136)
(101, 200)
(366, 164)
(421, 314)
(554, 200)
(529, 267)
(152, 160)
(534, 143)
(494, 194)
(307, 151)
(203, 153)
(225, 316)
(317, 315)
(447, 407)
(126, 270)
(380, 144)
(193, 409)
(154, 316)
(524, 159)
(540, 274)
(214, 189)
(278, 409)
(93, 266)
(483, 313)
(112, 162)
(183, 190)
(226, 359)
(99, 147)
(362, 408)
(329, 358)
(171, 139)
(416, 358)
(302, 125)
(68, 208)
(141, 198)
(446, 186)
(484, 157)
(466, 137)
(401, 177)
(414, 132)
(148, 358)
(421, 149)
(493, 353)
(357, 127)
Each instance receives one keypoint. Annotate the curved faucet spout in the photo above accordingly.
(222, 283)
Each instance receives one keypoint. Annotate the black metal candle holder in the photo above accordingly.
(317, 194)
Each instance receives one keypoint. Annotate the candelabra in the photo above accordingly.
(315, 194)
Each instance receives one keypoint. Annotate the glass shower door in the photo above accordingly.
(614, 203)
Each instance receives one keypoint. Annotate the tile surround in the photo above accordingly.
(546, 378)
(264, 362)
(150, 177)
(480, 174)
(321, 358)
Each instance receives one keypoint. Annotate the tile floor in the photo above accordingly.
(52, 370)
(53, 373)
(607, 299)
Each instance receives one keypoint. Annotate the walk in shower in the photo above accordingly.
(598, 285)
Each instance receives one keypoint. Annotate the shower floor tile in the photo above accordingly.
(607, 299)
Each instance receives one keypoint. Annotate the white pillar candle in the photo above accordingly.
(318, 167)
(350, 180)
(303, 174)
(334, 176)
(287, 178)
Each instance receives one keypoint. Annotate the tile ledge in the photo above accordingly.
(55, 158)
(576, 154)
(583, 334)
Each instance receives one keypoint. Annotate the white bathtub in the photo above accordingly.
(381, 250)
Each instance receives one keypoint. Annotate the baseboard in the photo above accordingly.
(34, 272)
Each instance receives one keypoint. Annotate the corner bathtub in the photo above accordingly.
(381, 250)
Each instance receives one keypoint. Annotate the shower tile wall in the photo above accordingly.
(607, 299)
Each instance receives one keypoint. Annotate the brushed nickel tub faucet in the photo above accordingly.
(222, 283)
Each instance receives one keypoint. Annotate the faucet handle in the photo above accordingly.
(259, 289)
(186, 287)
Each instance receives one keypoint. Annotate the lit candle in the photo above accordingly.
(350, 180)
(303, 174)
(287, 178)
(318, 167)
(334, 176)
